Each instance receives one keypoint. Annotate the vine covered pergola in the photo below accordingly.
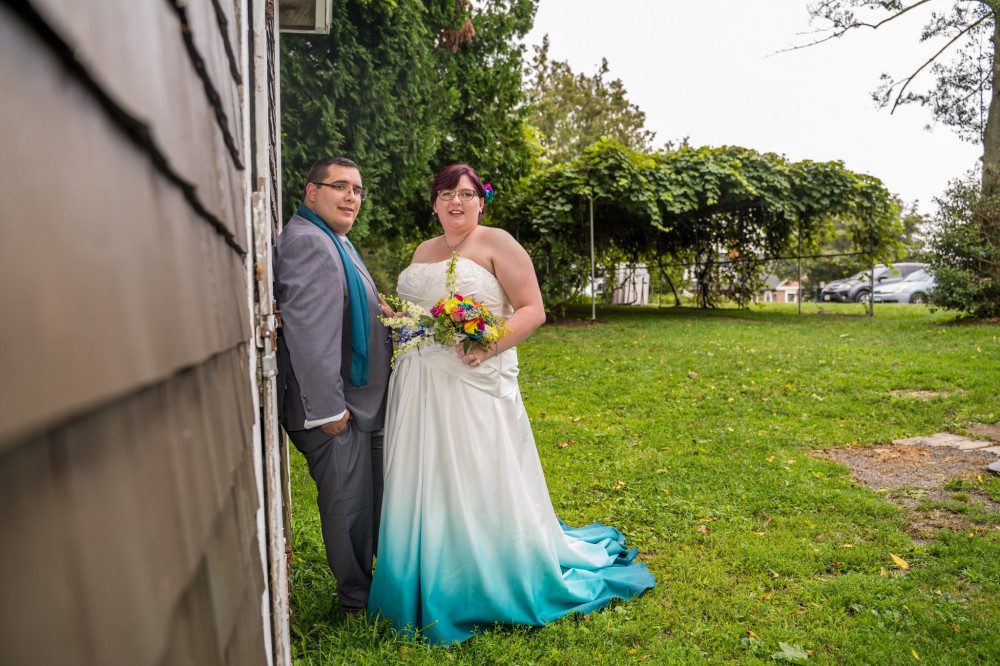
(688, 206)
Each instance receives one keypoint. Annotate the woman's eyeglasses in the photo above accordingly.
(464, 195)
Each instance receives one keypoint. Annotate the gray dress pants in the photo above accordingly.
(347, 469)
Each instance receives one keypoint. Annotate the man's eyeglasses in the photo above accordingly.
(342, 186)
(464, 195)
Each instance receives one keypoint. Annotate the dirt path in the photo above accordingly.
(936, 478)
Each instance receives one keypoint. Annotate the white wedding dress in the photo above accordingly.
(468, 536)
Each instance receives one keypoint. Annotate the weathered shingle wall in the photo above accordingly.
(128, 495)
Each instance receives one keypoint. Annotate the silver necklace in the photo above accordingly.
(455, 246)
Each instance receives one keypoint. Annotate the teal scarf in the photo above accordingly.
(356, 298)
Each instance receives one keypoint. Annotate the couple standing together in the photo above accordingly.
(436, 468)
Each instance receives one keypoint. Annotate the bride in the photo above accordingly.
(468, 536)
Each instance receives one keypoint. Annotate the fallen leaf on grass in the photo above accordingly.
(577, 419)
(703, 529)
(847, 545)
(563, 445)
(692, 374)
(900, 562)
(791, 653)
(915, 655)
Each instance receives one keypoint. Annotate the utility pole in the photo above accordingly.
(593, 288)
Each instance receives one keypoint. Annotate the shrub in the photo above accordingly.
(965, 251)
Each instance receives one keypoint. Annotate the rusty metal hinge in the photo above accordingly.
(267, 340)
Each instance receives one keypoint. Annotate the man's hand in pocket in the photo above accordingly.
(336, 427)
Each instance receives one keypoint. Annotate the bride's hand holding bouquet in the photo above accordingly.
(455, 321)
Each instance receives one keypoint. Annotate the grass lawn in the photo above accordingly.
(694, 433)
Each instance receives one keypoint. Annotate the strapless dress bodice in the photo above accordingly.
(424, 285)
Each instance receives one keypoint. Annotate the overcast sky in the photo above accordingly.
(705, 69)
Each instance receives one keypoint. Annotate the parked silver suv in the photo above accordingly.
(858, 287)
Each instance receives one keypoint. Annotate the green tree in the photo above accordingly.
(966, 266)
(403, 88)
(965, 96)
(691, 205)
(483, 78)
(365, 91)
(571, 111)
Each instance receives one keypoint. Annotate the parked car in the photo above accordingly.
(857, 287)
(914, 288)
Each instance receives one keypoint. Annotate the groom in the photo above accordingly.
(333, 369)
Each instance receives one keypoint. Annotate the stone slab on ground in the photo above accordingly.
(991, 430)
(937, 439)
(971, 444)
(994, 467)
(995, 450)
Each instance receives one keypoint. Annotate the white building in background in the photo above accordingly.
(631, 285)
(776, 290)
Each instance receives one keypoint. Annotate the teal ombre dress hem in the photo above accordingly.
(450, 615)
(468, 536)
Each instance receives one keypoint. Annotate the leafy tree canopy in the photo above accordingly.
(570, 111)
(689, 205)
(403, 88)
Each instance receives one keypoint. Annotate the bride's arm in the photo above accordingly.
(516, 275)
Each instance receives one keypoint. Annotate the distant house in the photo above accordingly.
(776, 290)
(631, 285)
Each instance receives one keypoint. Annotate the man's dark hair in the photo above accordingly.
(318, 170)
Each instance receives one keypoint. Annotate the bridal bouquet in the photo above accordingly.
(455, 318)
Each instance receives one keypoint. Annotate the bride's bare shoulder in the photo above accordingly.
(423, 251)
(497, 236)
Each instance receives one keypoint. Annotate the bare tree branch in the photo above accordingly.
(906, 82)
(875, 26)
(841, 30)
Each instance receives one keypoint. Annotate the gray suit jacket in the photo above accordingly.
(314, 352)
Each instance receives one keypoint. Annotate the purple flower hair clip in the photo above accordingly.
(488, 192)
